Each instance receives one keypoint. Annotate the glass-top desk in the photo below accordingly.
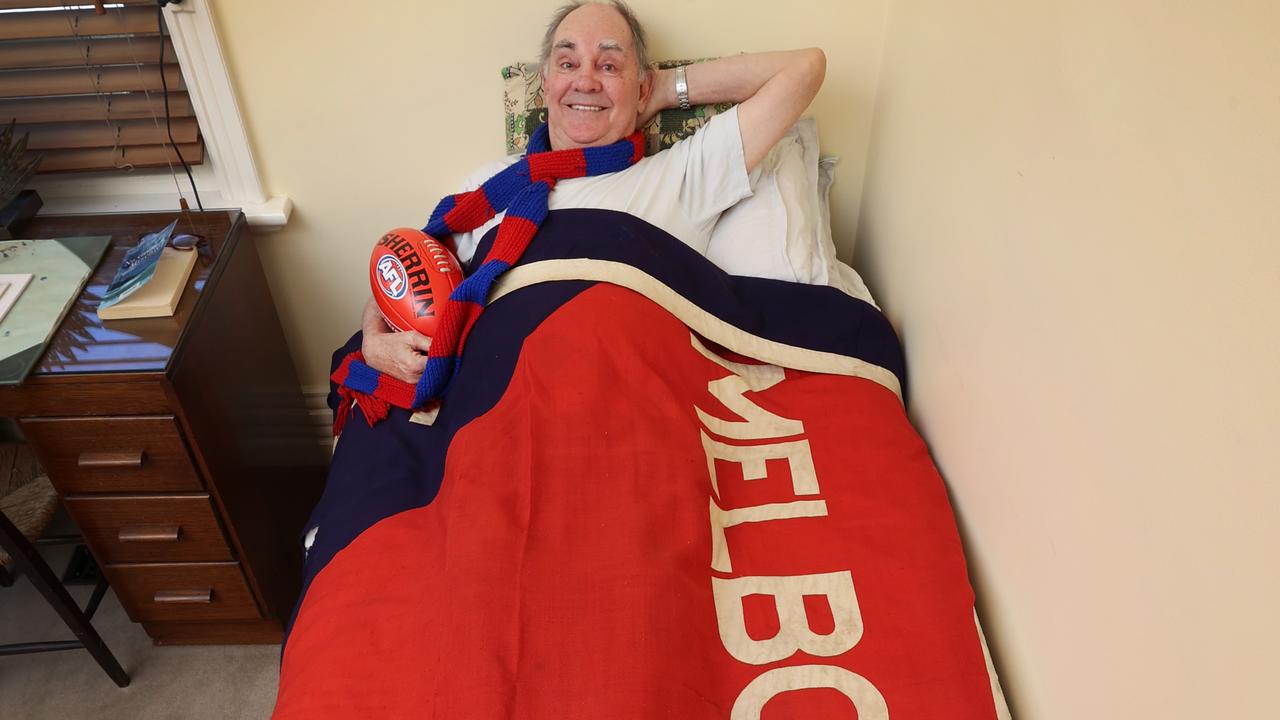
(181, 445)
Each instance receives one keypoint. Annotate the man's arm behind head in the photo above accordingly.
(772, 90)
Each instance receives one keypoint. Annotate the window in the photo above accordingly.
(96, 71)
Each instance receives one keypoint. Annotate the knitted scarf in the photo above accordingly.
(521, 189)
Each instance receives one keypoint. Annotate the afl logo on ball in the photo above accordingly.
(392, 277)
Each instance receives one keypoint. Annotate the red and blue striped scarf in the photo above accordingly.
(522, 190)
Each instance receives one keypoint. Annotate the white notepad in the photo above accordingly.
(11, 286)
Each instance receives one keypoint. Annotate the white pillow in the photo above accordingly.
(838, 275)
(798, 180)
(783, 231)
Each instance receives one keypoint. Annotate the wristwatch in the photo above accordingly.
(682, 88)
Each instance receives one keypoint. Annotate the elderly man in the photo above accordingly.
(599, 88)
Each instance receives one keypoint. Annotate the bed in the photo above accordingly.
(655, 489)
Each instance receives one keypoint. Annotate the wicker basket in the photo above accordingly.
(26, 495)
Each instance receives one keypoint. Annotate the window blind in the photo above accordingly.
(88, 86)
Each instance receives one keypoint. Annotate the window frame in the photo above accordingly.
(228, 177)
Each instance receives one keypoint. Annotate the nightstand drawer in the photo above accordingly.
(149, 528)
(113, 454)
(183, 591)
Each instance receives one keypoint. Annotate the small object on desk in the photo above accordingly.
(59, 269)
(15, 214)
(137, 268)
(11, 286)
(183, 241)
(159, 296)
(17, 206)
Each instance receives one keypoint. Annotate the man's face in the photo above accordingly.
(592, 80)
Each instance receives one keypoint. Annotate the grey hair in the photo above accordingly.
(637, 32)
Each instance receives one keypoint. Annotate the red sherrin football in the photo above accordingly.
(412, 275)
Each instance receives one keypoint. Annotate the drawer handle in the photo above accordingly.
(149, 533)
(111, 459)
(184, 597)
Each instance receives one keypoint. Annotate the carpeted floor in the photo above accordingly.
(182, 683)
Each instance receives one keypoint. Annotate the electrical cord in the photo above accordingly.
(164, 84)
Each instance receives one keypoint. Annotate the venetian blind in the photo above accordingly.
(86, 82)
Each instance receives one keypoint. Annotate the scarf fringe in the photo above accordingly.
(375, 398)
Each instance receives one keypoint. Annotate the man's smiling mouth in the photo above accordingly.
(588, 108)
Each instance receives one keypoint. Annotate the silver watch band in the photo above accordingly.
(682, 88)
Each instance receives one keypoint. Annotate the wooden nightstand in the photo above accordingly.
(181, 444)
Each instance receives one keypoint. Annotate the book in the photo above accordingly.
(138, 267)
(11, 286)
(159, 296)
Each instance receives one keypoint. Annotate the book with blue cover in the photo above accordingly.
(138, 266)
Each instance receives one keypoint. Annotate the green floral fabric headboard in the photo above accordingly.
(524, 105)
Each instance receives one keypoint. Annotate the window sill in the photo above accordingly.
(263, 217)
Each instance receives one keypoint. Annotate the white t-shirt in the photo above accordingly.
(682, 190)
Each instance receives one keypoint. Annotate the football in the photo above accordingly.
(412, 275)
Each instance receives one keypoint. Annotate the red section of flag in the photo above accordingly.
(565, 569)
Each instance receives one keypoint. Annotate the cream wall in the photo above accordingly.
(366, 114)
(1072, 214)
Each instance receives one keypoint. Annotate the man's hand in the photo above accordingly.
(401, 355)
(658, 101)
